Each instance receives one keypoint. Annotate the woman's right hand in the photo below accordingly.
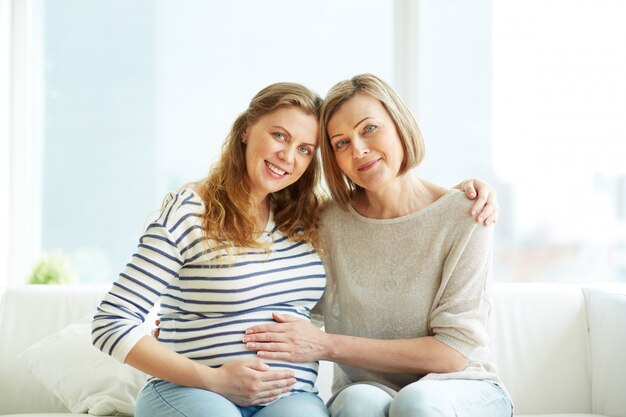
(247, 383)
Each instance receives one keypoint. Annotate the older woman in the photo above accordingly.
(408, 291)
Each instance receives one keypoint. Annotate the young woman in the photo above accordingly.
(408, 291)
(223, 255)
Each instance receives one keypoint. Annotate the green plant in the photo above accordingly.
(53, 268)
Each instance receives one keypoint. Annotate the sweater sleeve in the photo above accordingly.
(116, 326)
(463, 303)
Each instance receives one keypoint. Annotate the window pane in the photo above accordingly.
(559, 100)
(140, 95)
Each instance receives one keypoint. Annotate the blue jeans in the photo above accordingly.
(426, 398)
(166, 399)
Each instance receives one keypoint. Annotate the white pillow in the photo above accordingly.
(82, 377)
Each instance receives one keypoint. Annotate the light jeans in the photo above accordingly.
(426, 398)
(166, 399)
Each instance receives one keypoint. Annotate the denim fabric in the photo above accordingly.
(426, 398)
(165, 399)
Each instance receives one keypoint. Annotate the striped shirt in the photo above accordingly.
(207, 297)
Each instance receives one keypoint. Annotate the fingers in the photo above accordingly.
(269, 396)
(264, 337)
(488, 215)
(155, 332)
(281, 326)
(276, 356)
(250, 382)
(278, 379)
(468, 188)
(479, 205)
(265, 328)
(258, 365)
(269, 346)
(273, 384)
(486, 209)
(284, 318)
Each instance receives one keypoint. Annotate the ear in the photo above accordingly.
(244, 135)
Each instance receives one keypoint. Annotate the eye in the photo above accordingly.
(305, 150)
(279, 136)
(370, 128)
(341, 143)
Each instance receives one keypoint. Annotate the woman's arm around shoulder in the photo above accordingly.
(486, 208)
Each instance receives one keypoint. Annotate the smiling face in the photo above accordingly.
(365, 142)
(279, 148)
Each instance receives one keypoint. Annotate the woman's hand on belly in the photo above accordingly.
(289, 339)
(248, 383)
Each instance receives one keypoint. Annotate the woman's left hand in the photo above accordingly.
(289, 339)
(486, 208)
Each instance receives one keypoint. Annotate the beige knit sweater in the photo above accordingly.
(426, 273)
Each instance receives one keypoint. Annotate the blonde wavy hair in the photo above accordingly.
(229, 219)
(342, 188)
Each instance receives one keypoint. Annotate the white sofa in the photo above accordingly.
(561, 349)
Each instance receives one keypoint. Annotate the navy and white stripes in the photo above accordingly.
(207, 297)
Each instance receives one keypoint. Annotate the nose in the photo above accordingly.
(360, 147)
(287, 154)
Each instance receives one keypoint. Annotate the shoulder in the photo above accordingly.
(333, 221)
(178, 206)
(448, 203)
(453, 211)
(456, 201)
(330, 210)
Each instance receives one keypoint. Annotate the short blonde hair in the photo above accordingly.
(342, 188)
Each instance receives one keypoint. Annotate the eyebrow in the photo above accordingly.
(358, 123)
(282, 128)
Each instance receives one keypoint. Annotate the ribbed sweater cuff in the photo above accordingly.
(127, 343)
(464, 348)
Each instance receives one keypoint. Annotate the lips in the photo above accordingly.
(275, 169)
(367, 165)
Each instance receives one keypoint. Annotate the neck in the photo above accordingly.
(407, 194)
(260, 206)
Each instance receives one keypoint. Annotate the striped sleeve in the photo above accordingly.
(116, 326)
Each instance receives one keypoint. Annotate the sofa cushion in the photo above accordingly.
(83, 378)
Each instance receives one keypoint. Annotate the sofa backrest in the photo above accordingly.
(540, 342)
(27, 315)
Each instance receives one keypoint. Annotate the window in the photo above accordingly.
(559, 138)
(531, 97)
(137, 98)
(108, 105)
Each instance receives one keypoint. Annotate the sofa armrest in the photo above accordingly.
(606, 315)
